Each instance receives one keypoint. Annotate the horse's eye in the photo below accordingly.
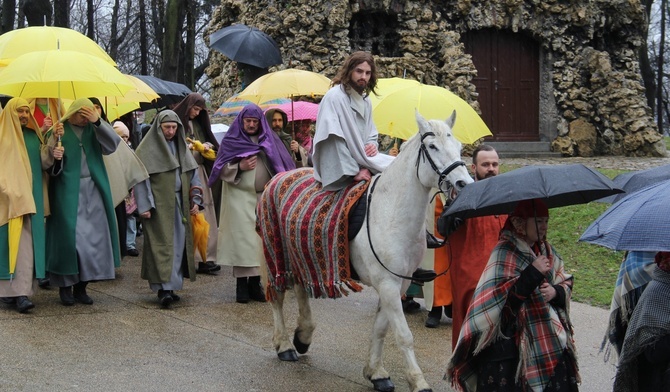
(432, 146)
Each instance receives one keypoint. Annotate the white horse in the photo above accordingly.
(427, 160)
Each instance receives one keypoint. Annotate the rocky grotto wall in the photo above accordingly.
(591, 92)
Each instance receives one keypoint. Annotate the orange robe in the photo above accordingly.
(442, 289)
(470, 247)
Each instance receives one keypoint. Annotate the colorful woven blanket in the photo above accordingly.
(304, 232)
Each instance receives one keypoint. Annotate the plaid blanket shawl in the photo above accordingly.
(304, 233)
(543, 331)
(649, 323)
(634, 275)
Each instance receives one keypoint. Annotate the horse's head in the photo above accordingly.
(439, 159)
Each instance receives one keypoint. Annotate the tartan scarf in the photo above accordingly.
(649, 323)
(634, 275)
(543, 331)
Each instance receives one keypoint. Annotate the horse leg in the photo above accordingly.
(283, 346)
(391, 308)
(302, 337)
(374, 369)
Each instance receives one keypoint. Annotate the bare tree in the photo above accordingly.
(646, 69)
(172, 43)
(8, 15)
(62, 13)
(660, 67)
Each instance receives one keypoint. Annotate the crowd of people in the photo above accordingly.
(509, 302)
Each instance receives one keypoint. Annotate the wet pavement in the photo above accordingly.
(208, 342)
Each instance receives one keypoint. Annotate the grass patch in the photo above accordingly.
(593, 267)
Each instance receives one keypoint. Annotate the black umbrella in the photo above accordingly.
(246, 45)
(634, 181)
(170, 92)
(556, 185)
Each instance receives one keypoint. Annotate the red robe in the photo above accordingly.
(470, 247)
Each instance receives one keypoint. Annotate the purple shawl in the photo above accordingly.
(237, 144)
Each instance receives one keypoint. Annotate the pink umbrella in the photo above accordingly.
(299, 110)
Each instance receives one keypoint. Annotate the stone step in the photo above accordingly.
(524, 149)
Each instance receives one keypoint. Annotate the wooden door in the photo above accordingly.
(507, 81)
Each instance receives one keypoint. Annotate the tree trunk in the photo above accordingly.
(661, 53)
(646, 69)
(62, 13)
(189, 49)
(113, 35)
(90, 19)
(8, 15)
(158, 13)
(172, 43)
(21, 20)
(144, 62)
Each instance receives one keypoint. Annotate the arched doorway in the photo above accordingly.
(508, 80)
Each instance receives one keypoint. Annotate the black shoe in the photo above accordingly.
(8, 300)
(165, 298)
(409, 305)
(432, 322)
(208, 267)
(79, 294)
(448, 311)
(434, 317)
(44, 283)
(23, 304)
(255, 289)
(242, 290)
(174, 296)
(133, 252)
(66, 297)
(421, 276)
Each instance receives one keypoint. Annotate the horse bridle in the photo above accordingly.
(423, 151)
(442, 178)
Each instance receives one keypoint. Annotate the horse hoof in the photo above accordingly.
(300, 347)
(288, 355)
(383, 385)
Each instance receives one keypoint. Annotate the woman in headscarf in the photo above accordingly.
(644, 364)
(165, 205)
(82, 237)
(192, 112)
(26, 157)
(250, 154)
(517, 335)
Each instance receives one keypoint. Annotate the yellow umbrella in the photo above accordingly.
(61, 74)
(284, 84)
(31, 39)
(393, 109)
(117, 106)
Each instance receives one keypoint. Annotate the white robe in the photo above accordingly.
(343, 127)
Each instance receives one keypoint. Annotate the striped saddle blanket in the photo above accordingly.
(304, 233)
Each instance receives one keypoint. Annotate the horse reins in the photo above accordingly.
(443, 175)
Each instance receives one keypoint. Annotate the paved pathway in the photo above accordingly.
(207, 342)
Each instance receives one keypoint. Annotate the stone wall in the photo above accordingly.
(592, 93)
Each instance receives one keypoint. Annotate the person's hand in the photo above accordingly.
(295, 147)
(370, 149)
(58, 130)
(48, 123)
(542, 264)
(91, 114)
(145, 215)
(208, 146)
(393, 152)
(248, 163)
(195, 209)
(548, 291)
(58, 153)
(363, 175)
